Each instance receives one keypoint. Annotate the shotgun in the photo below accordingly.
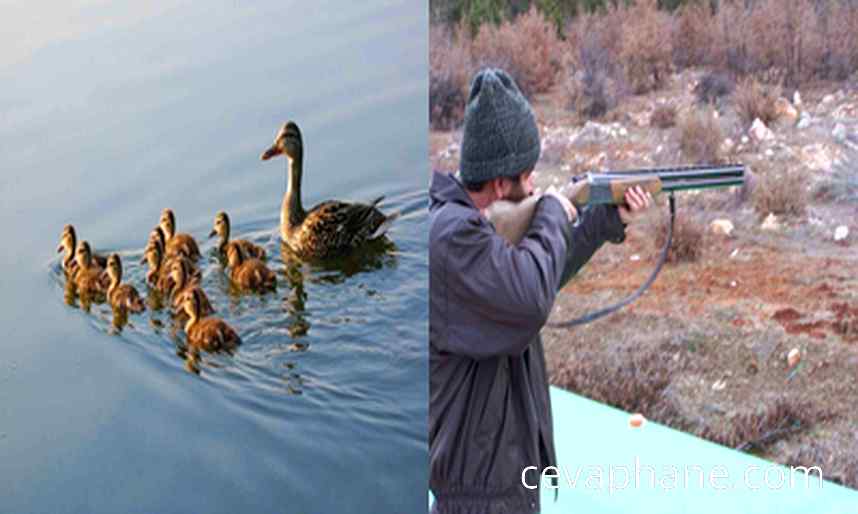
(511, 220)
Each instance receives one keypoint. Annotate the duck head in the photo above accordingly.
(221, 226)
(152, 256)
(288, 142)
(168, 223)
(114, 268)
(83, 255)
(68, 243)
(192, 304)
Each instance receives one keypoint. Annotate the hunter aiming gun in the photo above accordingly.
(511, 220)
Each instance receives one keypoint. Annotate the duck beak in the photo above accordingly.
(143, 260)
(60, 249)
(212, 234)
(271, 152)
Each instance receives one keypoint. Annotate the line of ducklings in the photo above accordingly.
(173, 275)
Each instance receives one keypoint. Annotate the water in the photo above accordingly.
(109, 114)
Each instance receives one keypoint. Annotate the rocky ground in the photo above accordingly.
(705, 350)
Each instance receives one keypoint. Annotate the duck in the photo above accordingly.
(222, 228)
(158, 275)
(184, 285)
(330, 229)
(174, 243)
(121, 296)
(208, 333)
(88, 278)
(68, 244)
(248, 272)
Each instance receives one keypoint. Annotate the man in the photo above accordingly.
(489, 410)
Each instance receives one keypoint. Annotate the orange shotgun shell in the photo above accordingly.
(637, 420)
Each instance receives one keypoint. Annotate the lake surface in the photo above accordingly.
(109, 114)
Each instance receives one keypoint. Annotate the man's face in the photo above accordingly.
(517, 189)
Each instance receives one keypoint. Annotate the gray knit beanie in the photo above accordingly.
(500, 136)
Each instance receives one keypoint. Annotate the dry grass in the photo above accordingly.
(753, 100)
(700, 137)
(693, 35)
(781, 190)
(687, 243)
(713, 86)
(663, 117)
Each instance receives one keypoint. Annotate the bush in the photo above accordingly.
(780, 190)
(591, 85)
(687, 242)
(647, 49)
(663, 117)
(527, 48)
(700, 138)
(693, 35)
(449, 66)
(753, 100)
(712, 87)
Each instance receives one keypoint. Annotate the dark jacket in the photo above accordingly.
(489, 410)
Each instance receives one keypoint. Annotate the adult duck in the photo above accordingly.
(330, 229)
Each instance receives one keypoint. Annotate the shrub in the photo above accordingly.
(687, 242)
(753, 100)
(700, 137)
(591, 86)
(449, 66)
(527, 48)
(713, 86)
(693, 35)
(780, 190)
(663, 117)
(646, 50)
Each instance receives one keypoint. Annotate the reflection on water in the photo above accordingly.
(274, 326)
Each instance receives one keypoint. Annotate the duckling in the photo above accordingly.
(221, 228)
(330, 229)
(158, 275)
(180, 272)
(210, 334)
(249, 273)
(177, 243)
(121, 296)
(68, 243)
(88, 278)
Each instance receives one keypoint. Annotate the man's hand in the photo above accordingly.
(638, 202)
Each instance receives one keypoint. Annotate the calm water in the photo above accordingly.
(109, 114)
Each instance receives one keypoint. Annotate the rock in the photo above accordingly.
(722, 226)
(793, 358)
(759, 131)
(841, 233)
(770, 223)
(827, 99)
(804, 121)
(786, 110)
(839, 132)
(593, 132)
(745, 140)
(635, 258)
(770, 152)
(796, 99)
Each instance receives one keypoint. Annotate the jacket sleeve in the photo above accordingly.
(597, 224)
(500, 295)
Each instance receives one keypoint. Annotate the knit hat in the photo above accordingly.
(500, 136)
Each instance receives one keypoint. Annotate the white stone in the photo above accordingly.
(635, 258)
(722, 226)
(827, 99)
(771, 222)
(839, 132)
(796, 99)
(770, 152)
(744, 140)
(734, 253)
(841, 233)
(760, 131)
(804, 121)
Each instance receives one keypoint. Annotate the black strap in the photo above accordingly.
(587, 318)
